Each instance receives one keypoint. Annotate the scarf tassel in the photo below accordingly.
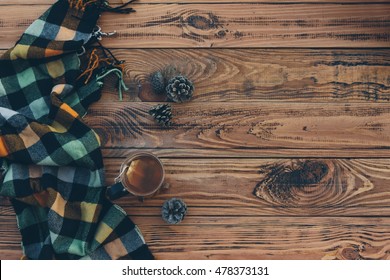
(120, 9)
(103, 67)
(81, 4)
(121, 84)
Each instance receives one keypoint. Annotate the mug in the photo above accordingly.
(141, 174)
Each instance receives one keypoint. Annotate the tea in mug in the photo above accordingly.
(144, 175)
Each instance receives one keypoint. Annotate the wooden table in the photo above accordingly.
(291, 104)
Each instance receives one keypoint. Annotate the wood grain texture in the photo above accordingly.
(11, 254)
(245, 126)
(255, 237)
(281, 238)
(272, 186)
(230, 25)
(282, 154)
(258, 75)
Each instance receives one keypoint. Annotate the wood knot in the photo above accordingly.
(311, 183)
(203, 22)
(221, 34)
(350, 254)
(292, 179)
(311, 172)
(346, 252)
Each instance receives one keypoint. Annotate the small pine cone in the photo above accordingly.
(180, 89)
(173, 210)
(157, 81)
(162, 113)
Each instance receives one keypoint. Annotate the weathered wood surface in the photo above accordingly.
(245, 125)
(263, 74)
(286, 187)
(284, 153)
(230, 25)
(256, 237)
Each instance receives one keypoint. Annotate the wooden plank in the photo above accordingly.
(258, 75)
(269, 125)
(283, 187)
(269, 26)
(228, 25)
(8, 254)
(268, 238)
(253, 238)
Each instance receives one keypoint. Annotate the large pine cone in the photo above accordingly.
(179, 89)
(174, 210)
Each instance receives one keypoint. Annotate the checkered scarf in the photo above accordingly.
(51, 160)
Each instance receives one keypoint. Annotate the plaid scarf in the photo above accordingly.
(51, 160)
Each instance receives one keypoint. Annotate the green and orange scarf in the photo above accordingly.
(51, 160)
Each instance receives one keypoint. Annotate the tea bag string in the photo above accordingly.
(121, 171)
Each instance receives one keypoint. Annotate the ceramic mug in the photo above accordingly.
(141, 174)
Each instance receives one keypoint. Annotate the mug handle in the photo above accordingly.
(116, 191)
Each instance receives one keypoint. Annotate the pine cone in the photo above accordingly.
(162, 113)
(179, 89)
(174, 210)
(157, 81)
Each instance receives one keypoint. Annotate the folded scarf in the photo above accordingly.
(51, 160)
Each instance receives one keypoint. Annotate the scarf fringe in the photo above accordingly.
(121, 84)
(99, 67)
(120, 9)
(81, 4)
